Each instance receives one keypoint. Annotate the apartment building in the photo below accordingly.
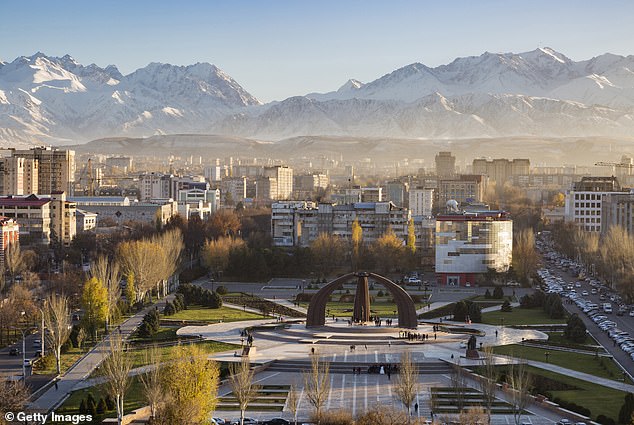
(584, 201)
(55, 168)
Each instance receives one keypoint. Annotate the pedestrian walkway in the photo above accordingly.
(78, 373)
(288, 304)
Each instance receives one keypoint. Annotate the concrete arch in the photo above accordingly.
(405, 305)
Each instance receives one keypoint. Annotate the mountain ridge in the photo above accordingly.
(540, 93)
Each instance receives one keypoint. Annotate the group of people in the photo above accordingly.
(414, 336)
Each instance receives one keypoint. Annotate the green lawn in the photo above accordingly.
(520, 316)
(167, 353)
(599, 399)
(339, 309)
(68, 359)
(587, 363)
(133, 400)
(204, 314)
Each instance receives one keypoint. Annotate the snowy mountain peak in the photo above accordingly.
(350, 85)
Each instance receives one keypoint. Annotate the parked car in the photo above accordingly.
(14, 352)
(277, 421)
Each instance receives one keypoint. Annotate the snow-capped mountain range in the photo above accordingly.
(55, 100)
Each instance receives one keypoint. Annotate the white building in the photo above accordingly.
(154, 186)
(584, 201)
(421, 201)
(468, 244)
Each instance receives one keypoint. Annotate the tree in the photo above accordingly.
(116, 367)
(575, 329)
(151, 380)
(388, 251)
(488, 384)
(216, 252)
(130, 291)
(357, 243)
(150, 324)
(223, 223)
(498, 293)
(317, 384)
(327, 251)
(406, 386)
(58, 325)
(524, 255)
(171, 243)
(411, 236)
(13, 259)
(241, 383)
(627, 409)
(94, 300)
(108, 272)
(520, 381)
(292, 402)
(81, 337)
(145, 260)
(190, 384)
(382, 415)
(506, 307)
(13, 397)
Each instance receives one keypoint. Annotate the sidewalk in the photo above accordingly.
(78, 373)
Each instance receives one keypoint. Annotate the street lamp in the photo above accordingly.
(547, 354)
(23, 331)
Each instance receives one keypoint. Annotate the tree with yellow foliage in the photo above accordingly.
(357, 243)
(388, 251)
(190, 384)
(215, 253)
(94, 301)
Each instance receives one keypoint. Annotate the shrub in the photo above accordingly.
(575, 329)
(91, 406)
(222, 290)
(604, 420)
(82, 407)
(625, 414)
(506, 306)
(487, 294)
(498, 293)
(169, 309)
(101, 406)
(150, 324)
(334, 417)
(383, 415)
(380, 293)
(110, 403)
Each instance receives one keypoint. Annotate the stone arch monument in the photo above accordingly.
(361, 311)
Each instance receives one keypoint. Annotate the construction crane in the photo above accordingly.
(86, 179)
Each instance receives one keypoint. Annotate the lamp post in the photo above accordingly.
(547, 354)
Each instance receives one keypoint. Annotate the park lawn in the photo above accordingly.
(205, 314)
(602, 367)
(599, 399)
(133, 400)
(168, 353)
(339, 309)
(68, 359)
(520, 316)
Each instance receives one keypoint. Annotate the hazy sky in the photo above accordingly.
(277, 49)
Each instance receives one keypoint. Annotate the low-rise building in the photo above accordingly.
(469, 244)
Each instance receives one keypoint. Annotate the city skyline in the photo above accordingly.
(287, 49)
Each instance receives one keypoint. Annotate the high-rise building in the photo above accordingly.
(397, 193)
(421, 201)
(233, 190)
(282, 188)
(445, 165)
(154, 186)
(9, 234)
(55, 168)
(501, 170)
(18, 176)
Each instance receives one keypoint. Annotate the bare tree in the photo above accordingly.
(241, 382)
(458, 384)
(488, 384)
(58, 325)
(520, 382)
(473, 416)
(406, 386)
(13, 397)
(151, 380)
(317, 384)
(524, 254)
(292, 402)
(13, 259)
(172, 244)
(116, 366)
(144, 259)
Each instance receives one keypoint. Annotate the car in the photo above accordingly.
(277, 421)
(14, 352)
(76, 317)
(217, 421)
(414, 281)
(27, 362)
(247, 421)
(585, 293)
(37, 343)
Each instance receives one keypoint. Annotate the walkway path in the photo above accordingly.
(77, 373)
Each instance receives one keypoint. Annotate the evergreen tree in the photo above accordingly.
(575, 329)
(625, 414)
